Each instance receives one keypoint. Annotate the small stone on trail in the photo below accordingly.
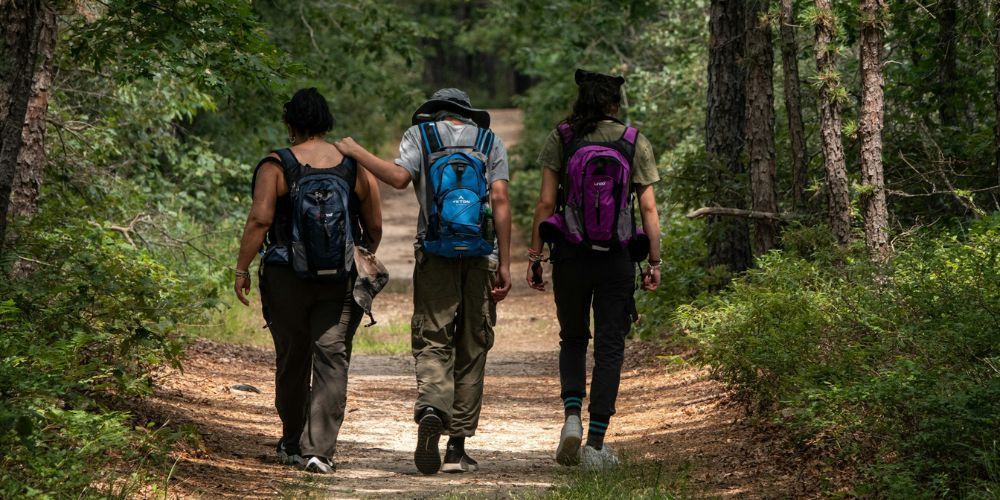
(245, 388)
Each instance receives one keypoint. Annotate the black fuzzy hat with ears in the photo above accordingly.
(583, 76)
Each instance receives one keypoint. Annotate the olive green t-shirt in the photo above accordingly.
(644, 170)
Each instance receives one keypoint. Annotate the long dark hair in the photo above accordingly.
(595, 101)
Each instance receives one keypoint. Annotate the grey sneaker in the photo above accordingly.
(568, 452)
(320, 465)
(288, 455)
(602, 459)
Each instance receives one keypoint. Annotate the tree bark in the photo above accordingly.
(31, 160)
(996, 84)
(793, 103)
(948, 108)
(725, 125)
(838, 196)
(873, 202)
(760, 122)
(19, 29)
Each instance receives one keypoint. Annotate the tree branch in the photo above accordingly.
(737, 212)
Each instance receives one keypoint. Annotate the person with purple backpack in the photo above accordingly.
(594, 170)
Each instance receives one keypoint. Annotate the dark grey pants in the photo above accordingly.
(605, 282)
(312, 325)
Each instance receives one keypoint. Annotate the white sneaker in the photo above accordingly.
(602, 459)
(319, 465)
(568, 452)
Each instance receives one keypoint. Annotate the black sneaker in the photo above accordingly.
(289, 454)
(428, 455)
(458, 461)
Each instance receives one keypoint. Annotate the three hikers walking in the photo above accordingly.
(316, 215)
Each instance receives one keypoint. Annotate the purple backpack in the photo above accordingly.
(596, 196)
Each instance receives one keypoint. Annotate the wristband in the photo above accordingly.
(240, 273)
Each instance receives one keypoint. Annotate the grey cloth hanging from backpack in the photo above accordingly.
(372, 278)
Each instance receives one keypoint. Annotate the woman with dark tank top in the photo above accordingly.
(312, 322)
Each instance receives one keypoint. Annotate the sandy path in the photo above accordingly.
(667, 413)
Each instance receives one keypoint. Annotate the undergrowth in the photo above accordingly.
(891, 371)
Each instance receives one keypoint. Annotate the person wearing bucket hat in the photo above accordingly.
(308, 274)
(594, 168)
(462, 263)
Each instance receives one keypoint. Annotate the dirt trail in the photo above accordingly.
(670, 414)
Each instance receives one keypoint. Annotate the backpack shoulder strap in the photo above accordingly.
(430, 137)
(565, 132)
(627, 141)
(348, 169)
(484, 141)
(256, 171)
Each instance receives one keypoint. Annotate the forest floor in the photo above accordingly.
(669, 414)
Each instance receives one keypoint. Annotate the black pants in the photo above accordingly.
(582, 280)
(313, 327)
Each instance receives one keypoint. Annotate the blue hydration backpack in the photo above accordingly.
(459, 218)
(322, 225)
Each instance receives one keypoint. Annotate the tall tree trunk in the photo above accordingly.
(20, 25)
(793, 103)
(948, 108)
(725, 124)
(838, 196)
(996, 84)
(870, 129)
(31, 160)
(760, 122)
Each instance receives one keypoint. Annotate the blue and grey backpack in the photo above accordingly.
(459, 215)
(316, 233)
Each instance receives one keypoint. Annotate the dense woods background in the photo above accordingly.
(830, 190)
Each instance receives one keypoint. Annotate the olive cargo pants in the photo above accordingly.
(313, 326)
(452, 330)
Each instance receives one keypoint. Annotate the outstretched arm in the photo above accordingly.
(386, 171)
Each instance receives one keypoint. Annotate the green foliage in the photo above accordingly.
(87, 324)
(363, 56)
(892, 369)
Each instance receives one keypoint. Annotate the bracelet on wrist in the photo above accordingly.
(241, 273)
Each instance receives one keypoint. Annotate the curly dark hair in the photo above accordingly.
(596, 100)
(307, 113)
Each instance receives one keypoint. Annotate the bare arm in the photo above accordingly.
(259, 220)
(500, 201)
(386, 171)
(651, 225)
(545, 206)
(371, 207)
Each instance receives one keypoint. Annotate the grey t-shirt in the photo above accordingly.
(412, 158)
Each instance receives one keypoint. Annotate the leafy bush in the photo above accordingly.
(82, 329)
(895, 368)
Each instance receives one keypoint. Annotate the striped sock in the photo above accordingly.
(595, 436)
(572, 405)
